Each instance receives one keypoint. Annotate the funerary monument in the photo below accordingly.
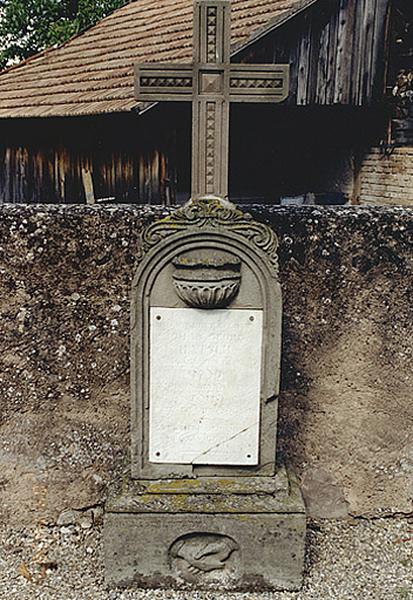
(207, 506)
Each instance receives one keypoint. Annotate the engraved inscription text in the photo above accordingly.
(205, 378)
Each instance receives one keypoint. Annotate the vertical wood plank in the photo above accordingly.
(294, 61)
(348, 52)
(332, 55)
(88, 186)
(344, 51)
(141, 179)
(353, 71)
(361, 24)
(322, 70)
(315, 32)
(304, 63)
(380, 49)
(368, 66)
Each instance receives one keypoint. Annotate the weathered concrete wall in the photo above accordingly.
(386, 179)
(346, 406)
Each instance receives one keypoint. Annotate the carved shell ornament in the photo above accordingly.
(207, 214)
(207, 278)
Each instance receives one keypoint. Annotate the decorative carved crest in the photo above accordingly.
(209, 214)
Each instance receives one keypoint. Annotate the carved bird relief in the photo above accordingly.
(204, 553)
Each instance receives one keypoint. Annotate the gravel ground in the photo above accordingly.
(346, 560)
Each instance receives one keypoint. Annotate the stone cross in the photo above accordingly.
(211, 82)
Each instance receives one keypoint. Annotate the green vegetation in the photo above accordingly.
(404, 593)
(28, 26)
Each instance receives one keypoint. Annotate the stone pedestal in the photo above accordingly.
(239, 534)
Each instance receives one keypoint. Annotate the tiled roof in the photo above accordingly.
(93, 72)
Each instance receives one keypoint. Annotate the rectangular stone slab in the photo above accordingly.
(279, 485)
(203, 503)
(243, 552)
(199, 412)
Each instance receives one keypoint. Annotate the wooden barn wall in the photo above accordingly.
(283, 151)
(336, 50)
(130, 158)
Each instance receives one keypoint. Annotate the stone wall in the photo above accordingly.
(346, 411)
(386, 179)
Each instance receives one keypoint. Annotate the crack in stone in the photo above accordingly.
(223, 442)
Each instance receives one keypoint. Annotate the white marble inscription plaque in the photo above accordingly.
(205, 380)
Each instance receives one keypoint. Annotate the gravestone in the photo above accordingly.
(207, 505)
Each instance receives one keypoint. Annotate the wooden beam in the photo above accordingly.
(88, 186)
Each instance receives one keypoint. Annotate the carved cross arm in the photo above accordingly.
(259, 83)
(160, 82)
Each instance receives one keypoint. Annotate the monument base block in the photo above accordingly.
(238, 534)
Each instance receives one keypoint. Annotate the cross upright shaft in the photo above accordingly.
(211, 83)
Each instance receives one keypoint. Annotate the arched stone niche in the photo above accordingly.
(206, 305)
